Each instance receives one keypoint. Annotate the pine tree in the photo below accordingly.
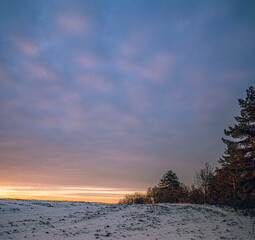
(169, 181)
(238, 160)
(168, 185)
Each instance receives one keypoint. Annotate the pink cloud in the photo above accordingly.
(27, 46)
(156, 68)
(105, 109)
(126, 157)
(130, 119)
(5, 81)
(74, 124)
(95, 81)
(10, 107)
(73, 118)
(134, 42)
(76, 111)
(138, 96)
(49, 121)
(73, 113)
(71, 101)
(38, 70)
(127, 65)
(87, 61)
(71, 22)
(128, 49)
(42, 102)
(70, 97)
(159, 66)
(110, 117)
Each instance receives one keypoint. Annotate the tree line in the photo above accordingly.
(232, 184)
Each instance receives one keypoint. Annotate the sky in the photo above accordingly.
(101, 98)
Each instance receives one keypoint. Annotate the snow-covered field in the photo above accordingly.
(44, 220)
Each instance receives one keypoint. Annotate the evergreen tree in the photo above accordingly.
(169, 185)
(169, 181)
(238, 160)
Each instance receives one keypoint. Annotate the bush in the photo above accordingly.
(136, 198)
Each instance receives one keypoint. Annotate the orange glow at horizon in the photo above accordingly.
(105, 195)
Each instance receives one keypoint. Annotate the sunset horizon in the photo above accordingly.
(61, 193)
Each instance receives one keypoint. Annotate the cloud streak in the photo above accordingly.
(72, 23)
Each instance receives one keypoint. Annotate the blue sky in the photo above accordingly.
(115, 93)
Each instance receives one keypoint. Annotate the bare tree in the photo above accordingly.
(203, 179)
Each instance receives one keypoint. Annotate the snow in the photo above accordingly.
(33, 219)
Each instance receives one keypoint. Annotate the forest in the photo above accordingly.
(231, 184)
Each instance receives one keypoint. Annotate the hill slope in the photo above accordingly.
(31, 219)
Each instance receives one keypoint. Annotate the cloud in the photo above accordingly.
(66, 112)
(72, 22)
(156, 67)
(95, 82)
(159, 66)
(138, 96)
(27, 46)
(128, 49)
(63, 193)
(5, 81)
(38, 70)
(87, 61)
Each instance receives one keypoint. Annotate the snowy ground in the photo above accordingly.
(31, 219)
